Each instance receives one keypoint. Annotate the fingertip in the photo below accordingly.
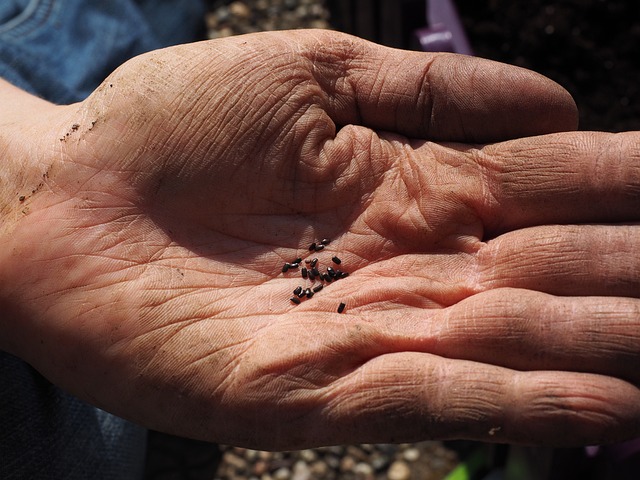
(494, 101)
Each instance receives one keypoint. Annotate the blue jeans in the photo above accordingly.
(61, 50)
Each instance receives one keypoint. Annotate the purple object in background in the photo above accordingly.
(444, 32)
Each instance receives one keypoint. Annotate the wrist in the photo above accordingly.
(29, 145)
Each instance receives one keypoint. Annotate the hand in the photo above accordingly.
(142, 268)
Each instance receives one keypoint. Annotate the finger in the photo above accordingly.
(527, 330)
(564, 260)
(435, 96)
(412, 396)
(563, 178)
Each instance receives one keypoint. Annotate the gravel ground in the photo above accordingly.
(424, 461)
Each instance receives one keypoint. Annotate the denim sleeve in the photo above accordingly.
(61, 50)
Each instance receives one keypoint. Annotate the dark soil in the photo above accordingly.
(590, 47)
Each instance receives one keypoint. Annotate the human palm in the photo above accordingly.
(143, 271)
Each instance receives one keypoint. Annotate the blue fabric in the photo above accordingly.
(61, 50)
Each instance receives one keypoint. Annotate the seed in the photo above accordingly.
(314, 262)
(312, 247)
(315, 272)
(294, 265)
(297, 260)
(336, 260)
(285, 268)
(295, 300)
(308, 292)
(341, 274)
(341, 307)
(312, 277)
(319, 248)
(325, 241)
(304, 272)
(331, 272)
(307, 261)
(327, 278)
(317, 288)
(297, 290)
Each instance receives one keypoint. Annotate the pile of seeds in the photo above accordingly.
(310, 272)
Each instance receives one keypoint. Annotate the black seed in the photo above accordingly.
(295, 300)
(285, 268)
(297, 260)
(342, 274)
(307, 291)
(325, 241)
(317, 288)
(312, 277)
(310, 294)
(315, 272)
(341, 307)
(312, 247)
(297, 290)
(304, 272)
(314, 262)
(294, 265)
(331, 272)
(301, 294)
(336, 260)
(319, 248)
(327, 278)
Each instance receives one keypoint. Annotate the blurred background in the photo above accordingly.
(591, 47)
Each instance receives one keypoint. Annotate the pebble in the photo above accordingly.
(301, 471)
(399, 470)
(282, 473)
(411, 454)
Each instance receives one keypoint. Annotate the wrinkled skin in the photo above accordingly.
(491, 295)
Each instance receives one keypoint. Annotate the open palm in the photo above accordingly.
(144, 268)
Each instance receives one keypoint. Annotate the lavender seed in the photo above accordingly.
(297, 290)
(304, 272)
(336, 260)
(312, 247)
(341, 307)
(295, 300)
(317, 288)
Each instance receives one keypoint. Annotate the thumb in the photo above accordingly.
(443, 97)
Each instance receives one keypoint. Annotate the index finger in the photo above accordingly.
(443, 97)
